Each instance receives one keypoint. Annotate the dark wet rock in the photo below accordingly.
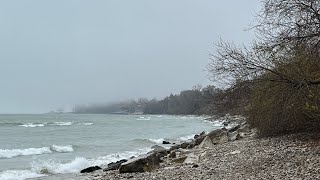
(173, 154)
(202, 133)
(166, 142)
(191, 145)
(90, 169)
(143, 163)
(234, 128)
(195, 166)
(196, 136)
(175, 147)
(184, 145)
(199, 140)
(115, 165)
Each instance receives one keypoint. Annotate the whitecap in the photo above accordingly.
(61, 149)
(32, 125)
(9, 153)
(144, 119)
(87, 124)
(158, 141)
(186, 138)
(19, 175)
(63, 123)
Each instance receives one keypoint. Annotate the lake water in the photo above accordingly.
(49, 144)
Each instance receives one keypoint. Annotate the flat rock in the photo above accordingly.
(206, 143)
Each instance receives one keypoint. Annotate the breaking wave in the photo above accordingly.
(79, 163)
(10, 153)
(61, 149)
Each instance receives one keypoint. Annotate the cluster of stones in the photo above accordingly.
(184, 153)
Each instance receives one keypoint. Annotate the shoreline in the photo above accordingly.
(294, 156)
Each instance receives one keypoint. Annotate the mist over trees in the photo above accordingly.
(189, 102)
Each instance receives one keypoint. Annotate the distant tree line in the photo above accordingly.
(197, 101)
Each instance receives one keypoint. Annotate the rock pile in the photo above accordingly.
(186, 152)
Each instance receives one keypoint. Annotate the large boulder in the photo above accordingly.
(206, 143)
(115, 165)
(219, 136)
(159, 151)
(143, 163)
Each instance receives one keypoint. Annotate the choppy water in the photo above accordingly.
(48, 144)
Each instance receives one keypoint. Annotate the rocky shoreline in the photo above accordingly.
(233, 152)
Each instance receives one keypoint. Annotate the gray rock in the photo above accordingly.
(157, 148)
(115, 165)
(173, 154)
(184, 145)
(219, 136)
(234, 128)
(198, 140)
(206, 143)
(179, 160)
(175, 147)
(234, 136)
(143, 163)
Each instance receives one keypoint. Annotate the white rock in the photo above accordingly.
(235, 152)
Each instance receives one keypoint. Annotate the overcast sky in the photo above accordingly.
(63, 52)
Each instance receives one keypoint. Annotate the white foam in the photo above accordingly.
(87, 124)
(144, 119)
(158, 141)
(63, 123)
(32, 125)
(118, 156)
(19, 174)
(9, 153)
(55, 167)
(186, 138)
(61, 149)
(79, 163)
